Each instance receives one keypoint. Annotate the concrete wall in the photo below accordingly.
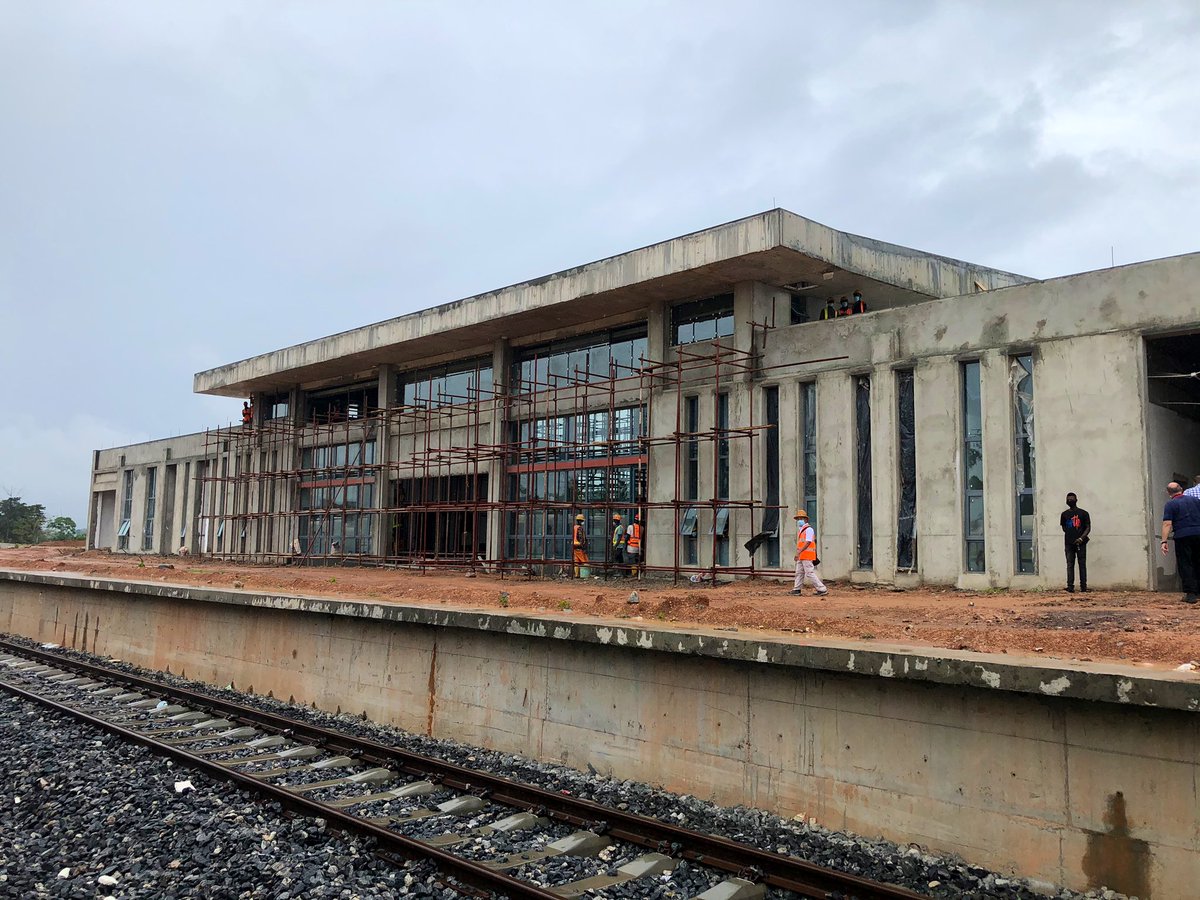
(1070, 791)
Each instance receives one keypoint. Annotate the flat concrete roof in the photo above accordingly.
(776, 247)
(1055, 678)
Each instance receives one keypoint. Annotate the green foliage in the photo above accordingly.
(564, 604)
(21, 523)
(61, 528)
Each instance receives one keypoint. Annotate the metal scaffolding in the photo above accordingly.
(491, 479)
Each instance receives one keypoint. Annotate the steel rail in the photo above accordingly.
(457, 867)
(790, 873)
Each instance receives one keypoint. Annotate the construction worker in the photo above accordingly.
(844, 309)
(806, 556)
(619, 538)
(579, 546)
(858, 306)
(830, 311)
(633, 545)
(247, 414)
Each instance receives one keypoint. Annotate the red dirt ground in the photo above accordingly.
(1138, 627)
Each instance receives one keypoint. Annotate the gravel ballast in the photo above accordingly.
(877, 859)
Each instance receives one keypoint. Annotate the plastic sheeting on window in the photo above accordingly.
(1020, 381)
(906, 516)
(862, 471)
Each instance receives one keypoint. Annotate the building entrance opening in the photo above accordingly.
(1173, 430)
(449, 522)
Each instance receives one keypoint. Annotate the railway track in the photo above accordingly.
(414, 806)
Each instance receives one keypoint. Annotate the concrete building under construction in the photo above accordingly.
(932, 438)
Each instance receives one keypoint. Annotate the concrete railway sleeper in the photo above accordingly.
(348, 781)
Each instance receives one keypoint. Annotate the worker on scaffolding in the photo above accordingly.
(619, 537)
(579, 547)
(247, 414)
(633, 545)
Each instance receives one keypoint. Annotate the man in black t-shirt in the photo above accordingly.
(1076, 525)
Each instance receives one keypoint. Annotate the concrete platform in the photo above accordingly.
(1074, 773)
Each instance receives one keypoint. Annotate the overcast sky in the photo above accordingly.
(187, 184)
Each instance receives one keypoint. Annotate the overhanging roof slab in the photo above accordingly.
(775, 247)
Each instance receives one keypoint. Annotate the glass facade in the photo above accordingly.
(691, 486)
(1021, 383)
(702, 320)
(808, 413)
(457, 382)
(721, 523)
(334, 485)
(972, 437)
(865, 555)
(906, 445)
(151, 504)
(581, 435)
(591, 358)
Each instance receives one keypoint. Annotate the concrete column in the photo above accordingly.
(384, 456)
(502, 360)
(885, 468)
(658, 341)
(938, 418)
(835, 474)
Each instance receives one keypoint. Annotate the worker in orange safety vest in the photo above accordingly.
(633, 545)
(579, 545)
(806, 556)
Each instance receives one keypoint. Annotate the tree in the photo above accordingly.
(61, 528)
(21, 523)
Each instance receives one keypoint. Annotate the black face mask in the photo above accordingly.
(1071, 503)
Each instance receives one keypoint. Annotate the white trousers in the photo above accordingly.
(806, 571)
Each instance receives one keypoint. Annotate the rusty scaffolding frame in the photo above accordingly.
(442, 483)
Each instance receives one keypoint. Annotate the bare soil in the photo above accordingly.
(1143, 628)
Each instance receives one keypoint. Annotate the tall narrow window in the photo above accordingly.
(972, 468)
(126, 511)
(808, 393)
(906, 442)
(862, 422)
(1020, 379)
(151, 503)
(721, 515)
(770, 520)
(691, 424)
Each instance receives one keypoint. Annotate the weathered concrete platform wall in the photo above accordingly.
(1068, 790)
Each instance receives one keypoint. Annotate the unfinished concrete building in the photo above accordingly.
(932, 438)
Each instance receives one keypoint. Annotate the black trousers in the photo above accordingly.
(1076, 552)
(1187, 559)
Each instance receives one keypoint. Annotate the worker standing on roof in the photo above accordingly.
(579, 546)
(830, 311)
(247, 414)
(619, 537)
(859, 305)
(633, 545)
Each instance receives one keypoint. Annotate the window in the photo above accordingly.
(721, 520)
(1020, 379)
(702, 320)
(973, 528)
(862, 422)
(343, 403)
(808, 396)
(906, 444)
(457, 382)
(799, 309)
(594, 357)
(126, 511)
(691, 478)
(770, 518)
(275, 406)
(337, 481)
(151, 502)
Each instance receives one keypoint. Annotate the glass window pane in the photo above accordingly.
(975, 516)
(975, 562)
(705, 331)
(725, 326)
